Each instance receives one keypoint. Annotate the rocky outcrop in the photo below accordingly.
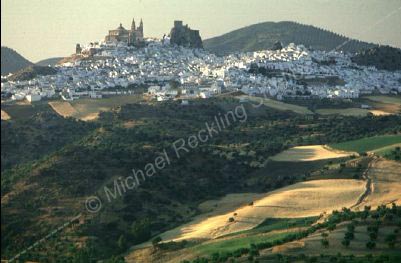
(185, 36)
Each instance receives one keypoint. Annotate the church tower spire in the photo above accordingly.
(141, 26)
(133, 27)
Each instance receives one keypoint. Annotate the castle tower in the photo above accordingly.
(133, 27)
(78, 49)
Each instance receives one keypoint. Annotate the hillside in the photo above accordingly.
(44, 188)
(11, 61)
(31, 72)
(265, 35)
(49, 62)
(383, 57)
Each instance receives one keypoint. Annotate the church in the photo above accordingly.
(133, 37)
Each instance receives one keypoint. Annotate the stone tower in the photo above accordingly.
(78, 49)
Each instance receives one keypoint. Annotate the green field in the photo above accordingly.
(344, 112)
(391, 152)
(25, 110)
(236, 243)
(272, 224)
(278, 105)
(256, 235)
(368, 144)
(386, 99)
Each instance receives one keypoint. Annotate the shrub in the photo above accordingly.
(325, 243)
(345, 242)
(156, 241)
(371, 245)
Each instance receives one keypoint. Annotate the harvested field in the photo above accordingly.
(5, 116)
(89, 109)
(386, 183)
(299, 200)
(309, 153)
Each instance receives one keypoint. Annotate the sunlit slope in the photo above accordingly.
(299, 200)
(309, 153)
(386, 183)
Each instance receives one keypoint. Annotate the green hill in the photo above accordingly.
(383, 57)
(31, 72)
(265, 35)
(11, 61)
(49, 62)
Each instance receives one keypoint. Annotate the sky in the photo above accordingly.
(40, 29)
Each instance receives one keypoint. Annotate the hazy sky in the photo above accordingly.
(40, 29)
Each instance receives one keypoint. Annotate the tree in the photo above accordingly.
(390, 240)
(371, 245)
(122, 243)
(325, 243)
(115, 260)
(156, 241)
(345, 242)
(349, 235)
(331, 227)
(351, 227)
(373, 235)
(140, 231)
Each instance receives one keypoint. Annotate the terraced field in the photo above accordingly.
(299, 200)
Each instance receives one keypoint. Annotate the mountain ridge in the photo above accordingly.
(264, 35)
(12, 61)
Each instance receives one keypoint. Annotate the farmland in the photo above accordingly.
(5, 116)
(89, 109)
(278, 105)
(352, 112)
(367, 144)
(309, 153)
(195, 199)
(288, 212)
(299, 200)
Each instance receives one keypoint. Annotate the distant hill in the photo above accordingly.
(383, 57)
(31, 72)
(11, 61)
(49, 62)
(266, 35)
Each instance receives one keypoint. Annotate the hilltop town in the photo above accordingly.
(126, 59)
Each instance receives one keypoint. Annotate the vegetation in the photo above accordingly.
(382, 57)
(368, 144)
(268, 33)
(392, 152)
(253, 249)
(11, 61)
(31, 72)
(68, 160)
